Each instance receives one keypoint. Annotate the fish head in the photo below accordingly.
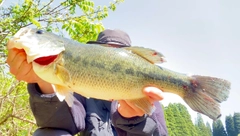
(36, 43)
(43, 50)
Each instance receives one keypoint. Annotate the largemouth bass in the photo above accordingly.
(114, 73)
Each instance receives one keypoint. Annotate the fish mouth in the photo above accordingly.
(38, 47)
(45, 60)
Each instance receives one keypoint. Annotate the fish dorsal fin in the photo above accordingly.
(63, 74)
(149, 54)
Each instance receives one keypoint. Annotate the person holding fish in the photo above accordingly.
(87, 116)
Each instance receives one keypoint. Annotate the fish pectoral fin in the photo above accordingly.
(144, 104)
(149, 54)
(63, 74)
(63, 93)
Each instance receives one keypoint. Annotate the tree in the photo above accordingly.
(170, 120)
(187, 118)
(62, 16)
(179, 120)
(218, 129)
(202, 129)
(16, 118)
(209, 130)
(236, 118)
(53, 16)
(230, 126)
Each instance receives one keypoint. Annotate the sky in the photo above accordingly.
(196, 37)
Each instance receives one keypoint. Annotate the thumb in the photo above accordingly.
(154, 93)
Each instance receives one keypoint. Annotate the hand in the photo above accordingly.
(129, 110)
(23, 70)
(19, 66)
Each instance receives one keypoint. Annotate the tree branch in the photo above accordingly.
(25, 120)
(58, 10)
(19, 118)
(46, 5)
(4, 120)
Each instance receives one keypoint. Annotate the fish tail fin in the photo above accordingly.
(63, 93)
(207, 93)
(144, 104)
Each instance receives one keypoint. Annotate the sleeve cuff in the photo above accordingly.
(36, 95)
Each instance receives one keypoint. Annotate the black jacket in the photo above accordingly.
(92, 117)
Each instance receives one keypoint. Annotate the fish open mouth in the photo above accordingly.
(45, 60)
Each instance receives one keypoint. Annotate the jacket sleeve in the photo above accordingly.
(153, 125)
(49, 112)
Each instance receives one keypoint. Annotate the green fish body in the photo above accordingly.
(114, 73)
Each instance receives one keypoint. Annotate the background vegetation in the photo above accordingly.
(179, 123)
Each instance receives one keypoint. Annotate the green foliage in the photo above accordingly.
(203, 130)
(230, 125)
(180, 114)
(15, 114)
(60, 17)
(218, 128)
(209, 129)
(236, 118)
(170, 120)
(179, 121)
(79, 19)
(188, 122)
(87, 26)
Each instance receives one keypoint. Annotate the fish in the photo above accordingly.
(107, 73)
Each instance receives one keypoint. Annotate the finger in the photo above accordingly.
(16, 62)
(125, 110)
(153, 93)
(12, 53)
(138, 111)
(19, 66)
(24, 69)
(128, 110)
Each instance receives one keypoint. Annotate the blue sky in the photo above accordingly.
(197, 37)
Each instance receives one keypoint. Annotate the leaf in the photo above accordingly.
(35, 22)
(112, 6)
(28, 2)
(92, 4)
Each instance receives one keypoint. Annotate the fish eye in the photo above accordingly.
(39, 32)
